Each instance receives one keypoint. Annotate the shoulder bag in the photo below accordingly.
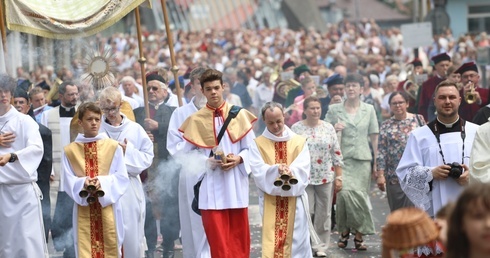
(232, 114)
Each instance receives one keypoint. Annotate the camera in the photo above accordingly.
(456, 170)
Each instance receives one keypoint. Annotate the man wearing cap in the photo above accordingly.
(299, 73)
(21, 149)
(287, 66)
(21, 103)
(471, 79)
(335, 88)
(425, 104)
(156, 127)
(416, 70)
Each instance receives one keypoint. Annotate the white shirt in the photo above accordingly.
(421, 155)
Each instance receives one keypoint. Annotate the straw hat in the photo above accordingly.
(407, 228)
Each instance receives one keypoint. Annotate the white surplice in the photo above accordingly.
(264, 177)
(480, 158)
(138, 157)
(60, 129)
(21, 222)
(114, 186)
(421, 155)
(194, 241)
(218, 182)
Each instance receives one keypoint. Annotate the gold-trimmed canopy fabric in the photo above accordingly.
(66, 19)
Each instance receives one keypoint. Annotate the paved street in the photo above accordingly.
(380, 211)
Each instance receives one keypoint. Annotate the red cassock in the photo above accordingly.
(426, 94)
(468, 111)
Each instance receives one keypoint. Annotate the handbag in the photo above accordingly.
(195, 202)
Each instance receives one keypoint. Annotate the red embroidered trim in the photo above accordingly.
(282, 207)
(96, 228)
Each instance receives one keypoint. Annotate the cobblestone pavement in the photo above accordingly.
(380, 211)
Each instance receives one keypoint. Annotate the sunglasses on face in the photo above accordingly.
(152, 88)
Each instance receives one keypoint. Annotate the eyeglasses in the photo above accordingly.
(354, 85)
(110, 110)
(398, 103)
(469, 76)
(154, 88)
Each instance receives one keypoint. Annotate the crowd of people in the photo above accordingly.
(311, 117)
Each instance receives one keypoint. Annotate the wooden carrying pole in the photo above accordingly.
(3, 30)
(175, 68)
(142, 61)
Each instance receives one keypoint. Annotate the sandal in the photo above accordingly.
(342, 243)
(359, 244)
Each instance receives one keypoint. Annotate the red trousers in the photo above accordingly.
(228, 232)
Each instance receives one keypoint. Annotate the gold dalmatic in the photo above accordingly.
(279, 212)
(97, 236)
(199, 128)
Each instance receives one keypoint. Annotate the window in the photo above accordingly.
(479, 18)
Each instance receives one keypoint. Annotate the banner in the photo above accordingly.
(65, 19)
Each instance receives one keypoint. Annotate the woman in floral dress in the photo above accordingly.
(393, 137)
(326, 165)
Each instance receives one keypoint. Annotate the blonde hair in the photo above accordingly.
(128, 79)
(35, 91)
(110, 95)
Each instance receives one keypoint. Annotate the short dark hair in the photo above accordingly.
(446, 83)
(7, 83)
(211, 75)
(62, 88)
(307, 101)
(354, 77)
(88, 106)
(401, 93)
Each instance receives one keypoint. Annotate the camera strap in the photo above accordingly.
(438, 138)
(234, 110)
